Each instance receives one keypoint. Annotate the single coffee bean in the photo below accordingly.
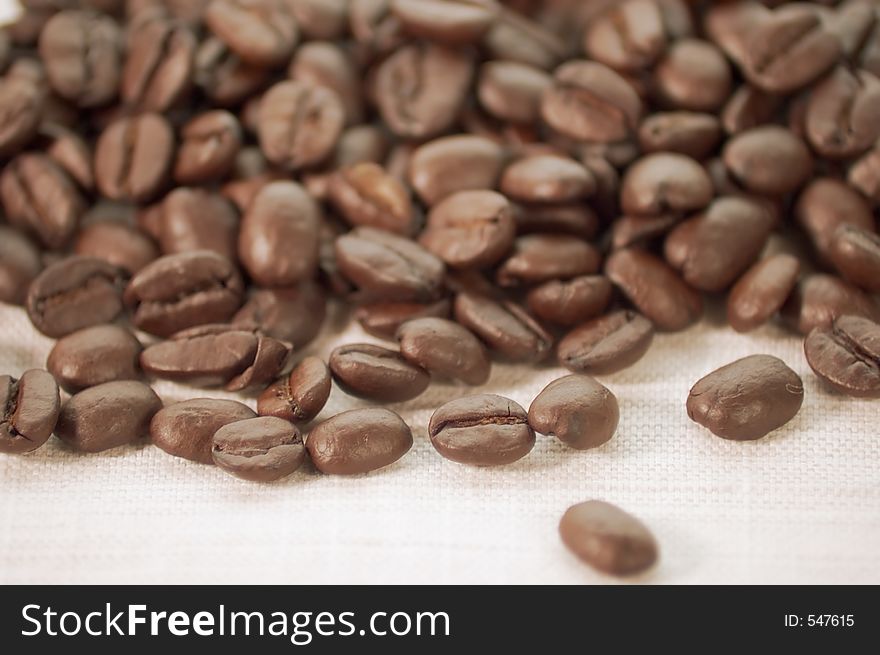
(654, 288)
(687, 133)
(21, 107)
(444, 166)
(483, 430)
(278, 242)
(769, 160)
(359, 441)
(730, 24)
(762, 291)
(82, 53)
(572, 301)
(222, 75)
(71, 152)
(840, 115)
(629, 231)
(607, 538)
(517, 38)
(577, 219)
(29, 408)
(607, 344)
(19, 265)
(855, 252)
(864, 176)
(116, 243)
(293, 314)
(538, 258)
(749, 107)
(41, 199)
(746, 399)
(93, 356)
(382, 319)
(300, 124)
(456, 22)
(511, 91)
(74, 293)
(590, 102)
(846, 355)
(446, 349)
(577, 410)
(186, 429)
(196, 219)
(819, 298)
(262, 449)
(261, 32)
(365, 194)
(376, 373)
(299, 396)
(210, 142)
(547, 178)
(387, 266)
(179, 291)
(665, 182)
(470, 229)
(133, 157)
(108, 415)
(824, 205)
(320, 63)
(505, 327)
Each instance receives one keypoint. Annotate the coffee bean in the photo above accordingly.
(387, 266)
(19, 265)
(538, 258)
(607, 538)
(118, 244)
(74, 293)
(179, 291)
(693, 75)
(29, 409)
(455, 22)
(762, 291)
(196, 219)
(688, 133)
(654, 288)
(570, 302)
(818, 299)
(445, 349)
(319, 63)
(577, 219)
(210, 142)
(749, 107)
(133, 157)
(93, 356)
(261, 32)
(665, 182)
(299, 396)
(846, 355)
(293, 314)
(511, 91)
(746, 399)
(278, 242)
(454, 163)
(40, 198)
(470, 229)
(382, 319)
(505, 327)
(517, 38)
(107, 416)
(223, 77)
(590, 102)
(299, 124)
(577, 410)
(21, 106)
(483, 430)
(607, 344)
(359, 441)
(824, 205)
(840, 118)
(637, 230)
(855, 252)
(547, 178)
(367, 195)
(376, 373)
(70, 151)
(768, 160)
(261, 449)
(186, 429)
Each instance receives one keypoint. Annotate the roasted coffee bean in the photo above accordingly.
(746, 399)
(454, 163)
(768, 160)
(569, 302)
(855, 252)
(179, 291)
(133, 157)
(470, 229)
(40, 198)
(607, 538)
(382, 319)
(30, 407)
(446, 349)
(359, 441)
(841, 114)
(19, 265)
(21, 106)
(300, 124)
(577, 219)
(71, 152)
(210, 142)
(864, 175)
(320, 63)
(455, 22)
(577, 410)
(74, 293)
(665, 182)
(538, 258)
(411, 108)
(293, 314)
(693, 75)
(590, 102)
(387, 266)
(517, 38)
(196, 219)
(505, 327)
(223, 77)
(299, 396)
(365, 194)
(684, 132)
(376, 373)
(116, 243)
(278, 241)
(762, 291)
(261, 32)
(607, 344)
(483, 430)
(749, 107)
(818, 299)
(654, 288)
(261, 449)
(826, 204)
(186, 429)
(82, 53)
(108, 415)
(547, 178)
(511, 91)
(846, 355)
(93, 356)
(629, 231)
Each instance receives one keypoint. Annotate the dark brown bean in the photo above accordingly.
(547, 178)
(293, 314)
(377, 373)
(683, 132)
(607, 344)
(196, 219)
(261, 449)
(569, 302)
(455, 22)
(71, 152)
(855, 252)
(577, 410)
(93, 356)
(209, 145)
(768, 160)
(841, 114)
(320, 63)
(538, 258)
(186, 429)
(818, 299)
(116, 243)
(365, 194)
(223, 77)
(762, 291)
(21, 106)
(29, 409)
(846, 355)
(504, 326)
(261, 32)
(19, 265)
(629, 231)
(446, 349)
(823, 206)
(749, 107)
(694, 75)
(665, 182)
(382, 319)
(512, 91)
(299, 396)
(454, 163)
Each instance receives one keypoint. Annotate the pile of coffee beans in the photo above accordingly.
(186, 184)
